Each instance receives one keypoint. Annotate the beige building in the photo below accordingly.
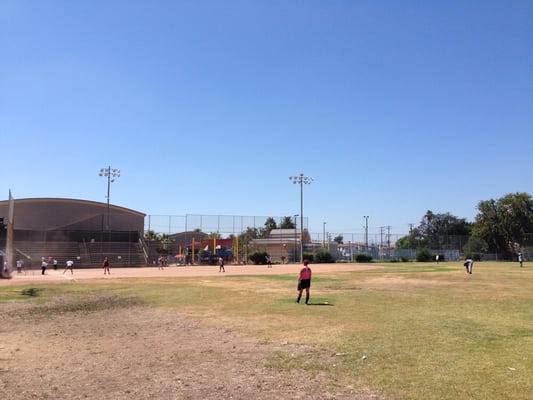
(283, 245)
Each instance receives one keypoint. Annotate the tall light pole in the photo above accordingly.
(366, 229)
(295, 239)
(110, 174)
(301, 180)
(323, 235)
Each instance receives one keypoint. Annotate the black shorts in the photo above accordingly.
(304, 284)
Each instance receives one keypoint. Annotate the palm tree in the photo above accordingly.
(270, 224)
(151, 236)
(165, 239)
(287, 223)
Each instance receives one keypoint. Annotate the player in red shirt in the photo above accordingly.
(304, 282)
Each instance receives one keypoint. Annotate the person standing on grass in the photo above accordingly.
(269, 261)
(520, 260)
(105, 264)
(221, 265)
(468, 264)
(304, 282)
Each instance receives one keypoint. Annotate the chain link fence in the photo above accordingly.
(224, 225)
(380, 243)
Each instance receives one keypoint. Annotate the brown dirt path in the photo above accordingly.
(35, 277)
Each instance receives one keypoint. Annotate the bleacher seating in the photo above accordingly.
(83, 254)
(118, 253)
(35, 251)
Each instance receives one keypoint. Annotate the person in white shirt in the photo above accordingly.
(70, 265)
(468, 264)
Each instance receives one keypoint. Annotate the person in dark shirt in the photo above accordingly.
(304, 282)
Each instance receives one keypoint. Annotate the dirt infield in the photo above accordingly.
(34, 276)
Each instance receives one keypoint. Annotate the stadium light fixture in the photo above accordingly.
(111, 174)
(301, 180)
(295, 237)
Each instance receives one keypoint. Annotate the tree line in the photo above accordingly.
(503, 226)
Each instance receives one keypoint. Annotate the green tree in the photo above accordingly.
(503, 224)
(423, 255)
(323, 256)
(258, 257)
(475, 245)
(437, 231)
(403, 242)
(246, 237)
(414, 240)
(270, 224)
(151, 236)
(442, 230)
(339, 239)
(287, 223)
(165, 240)
(249, 234)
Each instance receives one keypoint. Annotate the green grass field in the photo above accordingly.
(407, 331)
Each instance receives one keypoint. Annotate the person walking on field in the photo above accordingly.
(304, 282)
(105, 264)
(221, 265)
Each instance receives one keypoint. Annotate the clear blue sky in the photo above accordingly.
(207, 107)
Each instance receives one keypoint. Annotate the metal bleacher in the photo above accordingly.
(83, 254)
(119, 253)
(34, 251)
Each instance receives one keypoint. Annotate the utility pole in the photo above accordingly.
(381, 231)
(295, 239)
(301, 180)
(366, 229)
(323, 235)
(388, 241)
(110, 174)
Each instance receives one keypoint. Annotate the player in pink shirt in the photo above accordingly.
(304, 282)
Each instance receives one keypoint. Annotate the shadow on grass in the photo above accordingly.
(30, 292)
